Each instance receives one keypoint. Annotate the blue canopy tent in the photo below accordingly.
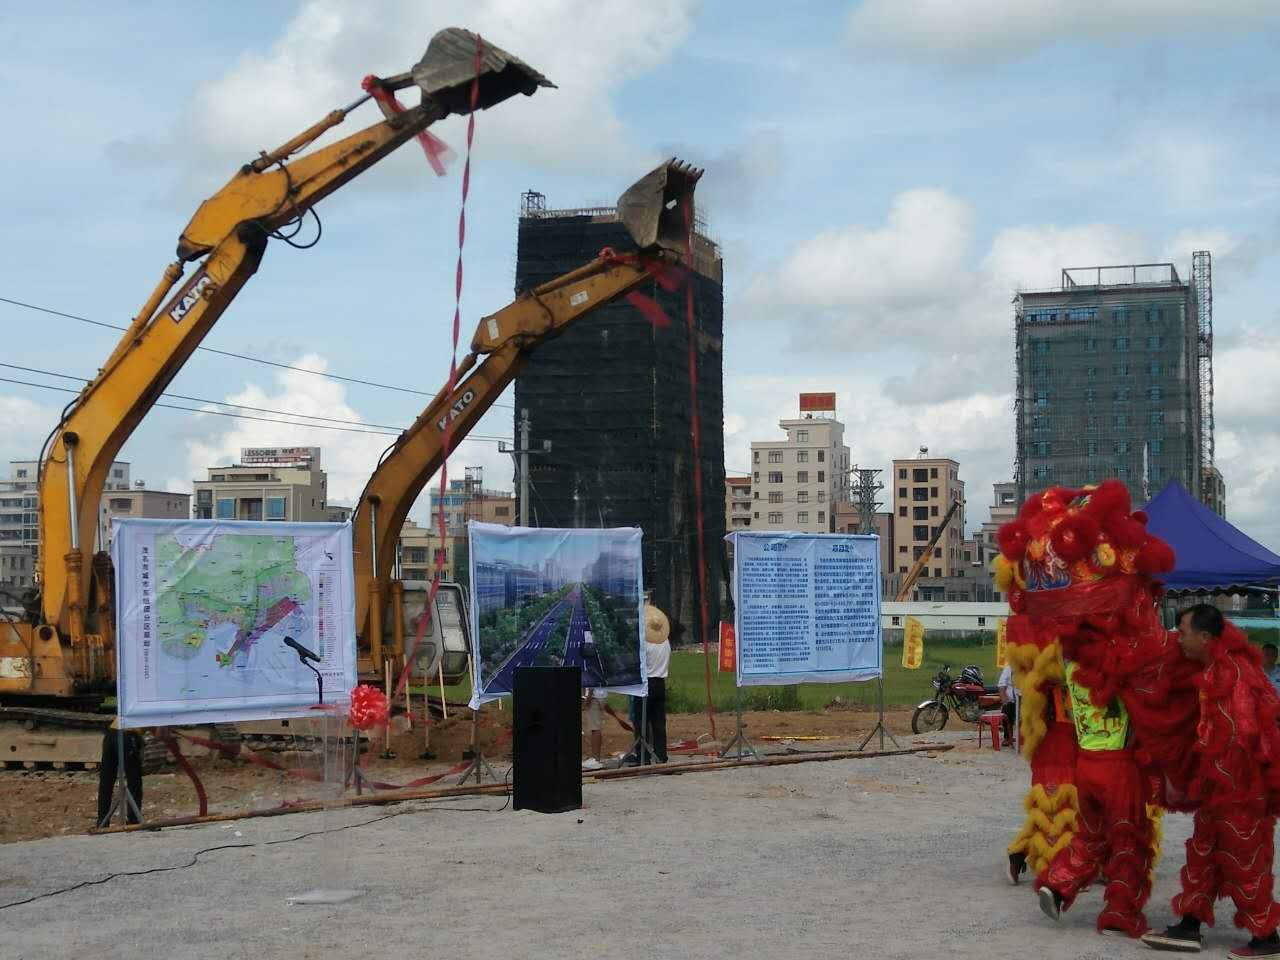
(1212, 555)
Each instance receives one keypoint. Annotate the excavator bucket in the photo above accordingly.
(658, 208)
(448, 69)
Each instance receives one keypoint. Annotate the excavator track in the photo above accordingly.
(43, 737)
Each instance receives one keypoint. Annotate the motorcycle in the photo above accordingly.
(966, 695)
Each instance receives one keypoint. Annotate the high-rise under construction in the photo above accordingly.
(1115, 379)
(613, 395)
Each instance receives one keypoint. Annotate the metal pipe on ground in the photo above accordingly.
(490, 789)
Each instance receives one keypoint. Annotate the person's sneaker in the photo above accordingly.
(1179, 938)
(1017, 867)
(591, 763)
(1051, 903)
(1264, 947)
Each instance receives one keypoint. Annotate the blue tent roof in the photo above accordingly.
(1212, 554)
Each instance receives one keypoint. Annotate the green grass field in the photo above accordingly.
(686, 685)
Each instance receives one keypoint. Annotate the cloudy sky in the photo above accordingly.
(882, 175)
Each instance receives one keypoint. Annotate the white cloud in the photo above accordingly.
(918, 280)
(347, 458)
(1247, 438)
(978, 31)
(588, 50)
(896, 278)
(26, 424)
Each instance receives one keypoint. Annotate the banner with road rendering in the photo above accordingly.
(549, 597)
(206, 611)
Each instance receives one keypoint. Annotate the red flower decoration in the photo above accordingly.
(368, 707)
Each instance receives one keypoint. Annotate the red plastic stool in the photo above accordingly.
(994, 720)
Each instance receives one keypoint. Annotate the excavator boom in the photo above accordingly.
(229, 233)
(656, 211)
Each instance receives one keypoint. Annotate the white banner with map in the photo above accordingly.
(203, 611)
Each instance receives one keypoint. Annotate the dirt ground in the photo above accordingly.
(49, 803)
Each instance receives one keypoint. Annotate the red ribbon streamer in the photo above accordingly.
(453, 372)
(696, 430)
(437, 150)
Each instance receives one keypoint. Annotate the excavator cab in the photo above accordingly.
(658, 208)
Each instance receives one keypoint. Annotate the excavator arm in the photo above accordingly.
(229, 231)
(922, 561)
(654, 210)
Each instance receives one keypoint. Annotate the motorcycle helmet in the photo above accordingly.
(971, 674)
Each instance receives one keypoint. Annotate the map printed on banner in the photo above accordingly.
(808, 607)
(204, 607)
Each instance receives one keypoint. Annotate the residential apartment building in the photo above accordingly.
(141, 502)
(418, 548)
(796, 482)
(1115, 379)
(737, 502)
(1214, 492)
(924, 489)
(1003, 508)
(268, 483)
(20, 519)
(468, 499)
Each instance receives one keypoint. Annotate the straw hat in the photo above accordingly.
(657, 628)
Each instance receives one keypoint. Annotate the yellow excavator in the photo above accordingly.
(655, 211)
(58, 663)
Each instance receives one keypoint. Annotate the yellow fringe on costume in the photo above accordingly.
(1157, 836)
(1050, 824)
(1051, 818)
(1033, 668)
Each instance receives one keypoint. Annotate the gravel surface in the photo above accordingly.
(896, 857)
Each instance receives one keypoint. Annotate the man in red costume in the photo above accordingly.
(1112, 828)
(1235, 790)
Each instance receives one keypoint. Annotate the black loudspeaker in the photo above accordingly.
(546, 703)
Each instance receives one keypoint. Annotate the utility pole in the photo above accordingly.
(865, 487)
(520, 455)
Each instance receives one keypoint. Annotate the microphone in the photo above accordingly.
(303, 653)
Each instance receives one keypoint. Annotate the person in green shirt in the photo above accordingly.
(1113, 833)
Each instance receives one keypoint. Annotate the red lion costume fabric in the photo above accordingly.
(1078, 569)
(1235, 789)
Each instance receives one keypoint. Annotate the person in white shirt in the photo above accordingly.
(657, 658)
(594, 699)
(1009, 697)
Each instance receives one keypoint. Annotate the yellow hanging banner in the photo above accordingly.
(912, 644)
(1002, 644)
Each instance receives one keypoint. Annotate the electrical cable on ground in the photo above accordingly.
(239, 356)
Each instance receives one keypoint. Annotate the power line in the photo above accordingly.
(223, 403)
(237, 356)
(243, 416)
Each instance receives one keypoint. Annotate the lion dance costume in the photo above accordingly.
(1078, 569)
(1235, 789)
